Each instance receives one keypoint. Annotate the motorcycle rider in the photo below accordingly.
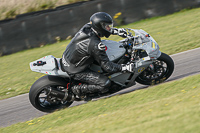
(85, 48)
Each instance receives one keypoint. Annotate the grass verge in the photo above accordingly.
(165, 108)
(11, 8)
(174, 33)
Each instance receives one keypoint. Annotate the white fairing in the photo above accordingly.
(50, 67)
(148, 44)
(113, 51)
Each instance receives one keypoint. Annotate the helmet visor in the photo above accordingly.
(107, 26)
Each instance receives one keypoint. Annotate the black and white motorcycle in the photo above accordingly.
(53, 91)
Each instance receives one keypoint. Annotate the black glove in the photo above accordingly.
(121, 32)
(114, 31)
(128, 67)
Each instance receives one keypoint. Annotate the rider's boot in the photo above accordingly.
(83, 89)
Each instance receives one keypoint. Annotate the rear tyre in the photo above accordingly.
(38, 96)
(163, 69)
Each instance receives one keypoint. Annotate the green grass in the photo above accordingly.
(171, 107)
(11, 8)
(174, 33)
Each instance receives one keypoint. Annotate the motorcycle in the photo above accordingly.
(53, 91)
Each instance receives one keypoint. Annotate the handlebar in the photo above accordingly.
(127, 41)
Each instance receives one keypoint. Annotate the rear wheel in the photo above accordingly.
(163, 68)
(38, 94)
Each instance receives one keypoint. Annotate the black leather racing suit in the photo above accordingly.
(85, 48)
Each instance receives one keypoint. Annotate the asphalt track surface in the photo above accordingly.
(18, 109)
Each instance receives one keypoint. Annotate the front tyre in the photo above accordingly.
(39, 98)
(163, 69)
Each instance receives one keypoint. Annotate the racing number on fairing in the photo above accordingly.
(141, 69)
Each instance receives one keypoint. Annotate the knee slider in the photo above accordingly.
(107, 84)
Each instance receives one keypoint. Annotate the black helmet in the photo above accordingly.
(102, 23)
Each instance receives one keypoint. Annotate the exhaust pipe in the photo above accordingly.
(62, 95)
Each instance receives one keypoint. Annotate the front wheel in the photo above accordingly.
(163, 68)
(38, 95)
